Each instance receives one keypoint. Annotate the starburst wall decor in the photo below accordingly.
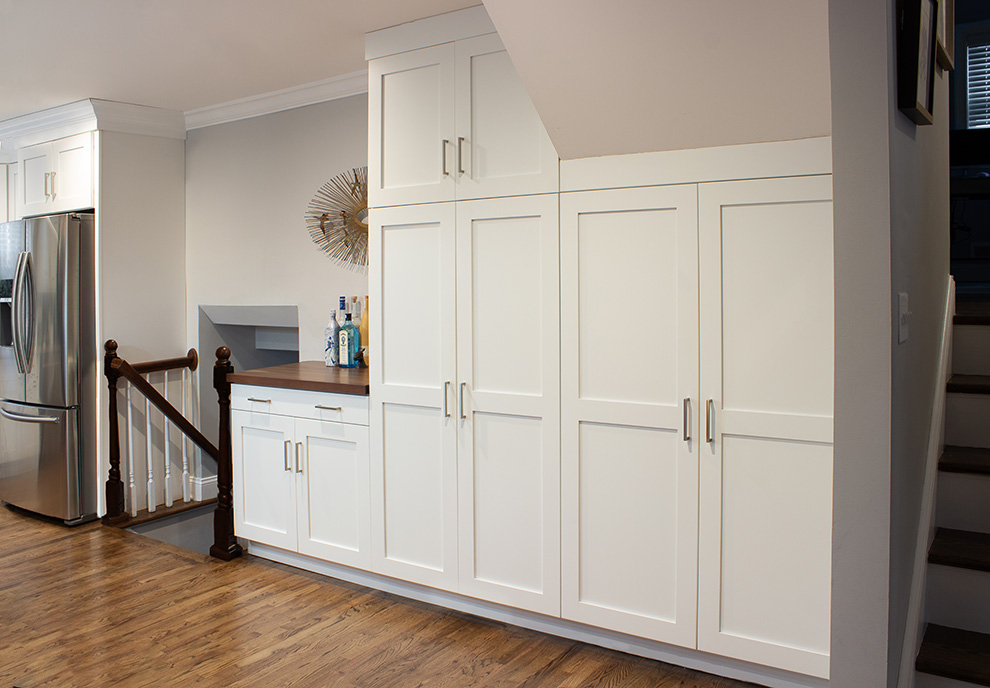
(337, 219)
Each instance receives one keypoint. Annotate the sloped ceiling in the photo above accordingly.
(631, 76)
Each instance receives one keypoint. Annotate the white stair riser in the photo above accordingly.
(963, 502)
(967, 420)
(928, 681)
(958, 598)
(971, 350)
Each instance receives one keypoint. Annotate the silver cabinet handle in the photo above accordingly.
(288, 466)
(299, 446)
(461, 401)
(710, 421)
(260, 401)
(443, 156)
(329, 408)
(27, 419)
(687, 428)
(48, 176)
(53, 184)
(446, 391)
(460, 155)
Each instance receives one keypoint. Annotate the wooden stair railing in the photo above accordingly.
(225, 545)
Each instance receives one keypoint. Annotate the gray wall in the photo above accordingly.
(919, 266)
(860, 48)
(248, 185)
(891, 234)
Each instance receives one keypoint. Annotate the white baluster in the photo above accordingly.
(151, 464)
(168, 462)
(132, 488)
(185, 447)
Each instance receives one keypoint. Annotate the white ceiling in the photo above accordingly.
(623, 76)
(630, 76)
(183, 54)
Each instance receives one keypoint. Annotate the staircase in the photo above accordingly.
(955, 652)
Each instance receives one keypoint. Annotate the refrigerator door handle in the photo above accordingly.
(28, 338)
(27, 419)
(17, 315)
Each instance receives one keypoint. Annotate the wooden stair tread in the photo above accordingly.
(965, 460)
(969, 384)
(955, 653)
(972, 312)
(961, 548)
(145, 516)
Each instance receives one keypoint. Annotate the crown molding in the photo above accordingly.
(277, 101)
(89, 115)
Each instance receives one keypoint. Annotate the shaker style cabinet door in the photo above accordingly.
(413, 396)
(34, 190)
(629, 410)
(502, 147)
(333, 492)
(507, 401)
(766, 374)
(411, 127)
(72, 183)
(264, 457)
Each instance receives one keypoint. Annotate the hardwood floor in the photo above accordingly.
(97, 606)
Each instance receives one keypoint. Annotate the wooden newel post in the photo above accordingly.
(224, 543)
(115, 486)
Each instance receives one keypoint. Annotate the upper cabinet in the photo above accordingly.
(453, 122)
(56, 176)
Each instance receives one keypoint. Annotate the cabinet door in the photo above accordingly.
(13, 212)
(264, 478)
(411, 127)
(507, 401)
(766, 476)
(413, 368)
(629, 380)
(502, 147)
(72, 173)
(34, 190)
(333, 492)
(4, 196)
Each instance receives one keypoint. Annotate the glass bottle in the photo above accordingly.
(363, 330)
(349, 343)
(330, 336)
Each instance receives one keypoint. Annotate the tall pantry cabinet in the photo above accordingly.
(464, 374)
(603, 396)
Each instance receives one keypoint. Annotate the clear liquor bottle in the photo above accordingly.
(350, 342)
(330, 337)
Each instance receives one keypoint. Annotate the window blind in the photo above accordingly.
(978, 84)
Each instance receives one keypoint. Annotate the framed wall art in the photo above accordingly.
(916, 47)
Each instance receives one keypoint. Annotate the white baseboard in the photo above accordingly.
(203, 488)
(915, 624)
(692, 659)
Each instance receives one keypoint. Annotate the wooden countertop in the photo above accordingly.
(313, 376)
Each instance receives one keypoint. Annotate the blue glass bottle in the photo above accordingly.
(350, 343)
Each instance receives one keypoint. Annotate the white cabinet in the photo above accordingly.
(453, 122)
(4, 195)
(697, 416)
(766, 329)
(300, 465)
(464, 381)
(629, 360)
(56, 176)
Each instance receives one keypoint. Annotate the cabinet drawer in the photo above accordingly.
(326, 406)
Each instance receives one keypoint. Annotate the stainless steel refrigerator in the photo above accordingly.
(44, 347)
